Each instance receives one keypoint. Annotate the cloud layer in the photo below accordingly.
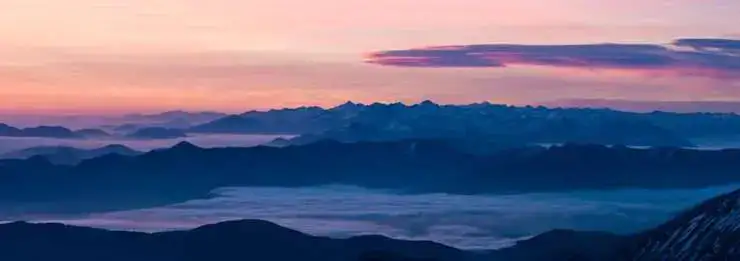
(465, 221)
(716, 58)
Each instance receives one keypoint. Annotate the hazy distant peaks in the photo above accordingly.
(650, 106)
(69, 155)
(50, 132)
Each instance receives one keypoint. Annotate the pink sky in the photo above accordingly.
(83, 56)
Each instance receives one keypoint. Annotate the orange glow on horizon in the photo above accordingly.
(111, 56)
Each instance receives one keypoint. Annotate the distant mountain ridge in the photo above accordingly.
(168, 119)
(351, 122)
(59, 132)
(49, 132)
(186, 171)
(69, 155)
(650, 106)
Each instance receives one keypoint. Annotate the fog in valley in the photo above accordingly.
(471, 222)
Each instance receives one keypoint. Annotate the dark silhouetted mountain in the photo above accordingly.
(186, 171)
(233, 240)
(92, 133)
(7, 130)
(353, 122)
(157, 133)
(389, 256)
(564, 245)
(69, 155)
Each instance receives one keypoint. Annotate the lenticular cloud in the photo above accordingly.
(715, 58)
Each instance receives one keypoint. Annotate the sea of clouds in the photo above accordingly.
(465, 221)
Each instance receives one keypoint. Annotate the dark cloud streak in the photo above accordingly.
(716, 58)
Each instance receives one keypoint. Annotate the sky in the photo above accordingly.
(120, 56)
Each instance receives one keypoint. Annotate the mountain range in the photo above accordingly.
(351, 122)
(175, 116)
(187, 172)
(62, 155)
(706, 232)
(50, 132)
(59, 132)
(650, 106)
(169, 120)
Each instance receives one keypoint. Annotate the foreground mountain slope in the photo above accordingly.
(707, 232)
(234, 240)
(710, 231)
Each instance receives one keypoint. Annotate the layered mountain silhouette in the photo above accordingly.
(706, 232)
(233, 240)
(170, 120)
(186, 171)
(69, 155)
(169, 116)
(282, 121)
(351, 122)
(49, 132)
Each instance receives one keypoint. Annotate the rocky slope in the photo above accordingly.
(710, 231)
